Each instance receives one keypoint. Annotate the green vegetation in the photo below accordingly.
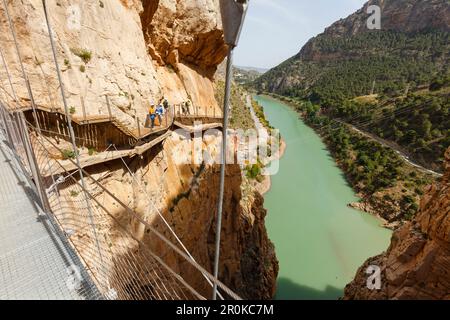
(259, 112)
(92, 151)
(240, 115)
(82, 68)
(394, 84)
(419, 123)
(369, 167)
(394, 60)
(67, 63)
(74, 193)
(72, 110)
(440, 82)
(84, 54)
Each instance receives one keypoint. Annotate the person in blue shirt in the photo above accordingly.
(159, 113)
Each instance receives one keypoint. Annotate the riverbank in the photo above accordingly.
(264, 186)
(396, 187)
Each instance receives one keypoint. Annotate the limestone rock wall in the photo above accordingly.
(133, 51)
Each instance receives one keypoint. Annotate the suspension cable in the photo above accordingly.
(9, 80)
(69, 123)
(151, 228)
(163, 219)
(25, 77)
(223, 158)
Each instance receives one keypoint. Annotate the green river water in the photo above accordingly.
(319, 241)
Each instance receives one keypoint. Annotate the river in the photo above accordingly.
(319, 241)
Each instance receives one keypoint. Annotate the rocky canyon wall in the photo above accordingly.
(417, 263)
(133, 51)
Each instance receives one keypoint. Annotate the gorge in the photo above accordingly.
(356, 87)
(319, 240)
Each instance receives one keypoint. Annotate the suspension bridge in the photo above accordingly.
(59, 239)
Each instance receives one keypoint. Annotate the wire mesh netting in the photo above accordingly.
(106, 260)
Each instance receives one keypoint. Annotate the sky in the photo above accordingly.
(275, 30)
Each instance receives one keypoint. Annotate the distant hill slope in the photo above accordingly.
(409, 56)
(256, 69)
(412, 47)
(245, 75)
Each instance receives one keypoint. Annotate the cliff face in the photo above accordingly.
(400, 15)
(417, 263)
(103, 46)
(135, 52)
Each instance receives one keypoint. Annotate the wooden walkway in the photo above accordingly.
(139, 133)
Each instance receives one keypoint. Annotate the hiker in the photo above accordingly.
(152, 114)
(159, 113)
(165, 104)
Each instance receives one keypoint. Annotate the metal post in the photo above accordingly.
(8, 130)
(138, 127)
(22, 130)
(83, 107)
(33, 163)
(109, 107)
(69, 123)
(233, 15)
(33, 104)
(27, 83)
(223, 157)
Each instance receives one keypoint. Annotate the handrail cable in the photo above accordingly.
(69, 122)
(162, 217)
(178, 277)
(25, 77)
(153, 230)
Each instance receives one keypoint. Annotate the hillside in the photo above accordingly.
(344, 61)
(391, 83)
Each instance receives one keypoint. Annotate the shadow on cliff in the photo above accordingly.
(289, 290)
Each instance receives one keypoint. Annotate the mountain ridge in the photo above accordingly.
(402, 23)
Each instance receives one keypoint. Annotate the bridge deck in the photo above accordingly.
(34, 261)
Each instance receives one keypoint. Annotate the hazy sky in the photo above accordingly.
(277, 29)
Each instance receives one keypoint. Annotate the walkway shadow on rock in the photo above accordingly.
(289, 290)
